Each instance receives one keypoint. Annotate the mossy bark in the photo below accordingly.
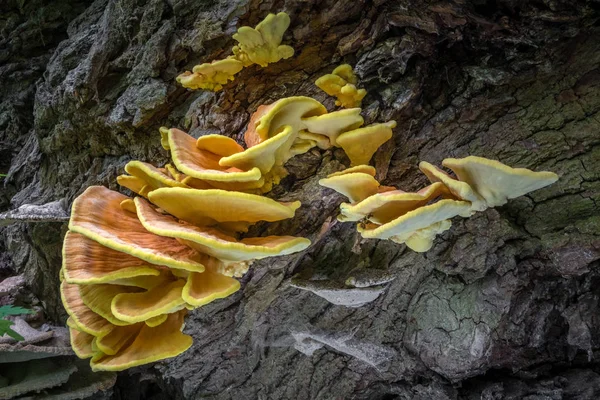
(506, 302)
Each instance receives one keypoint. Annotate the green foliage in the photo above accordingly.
(6, 324)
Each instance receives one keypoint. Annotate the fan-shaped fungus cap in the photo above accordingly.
(117, 338)
(360, 144)
(248, 187)
(287, 111)
(208, 207)
(97, 214)
(218, 144)
(204, 287)
(151, 344)
(422, 239)
(81, 342)
(152, 177)
(365, 169)
(85, 319)
(384, 207)
(341, 84)
(135, 184)
(273, 151)
(98, 298)
(461, 190)
(346, 72)
(403, 227)
(334, 123)
(86, 261)
(214, 243)
(211, 76)
(356, 186)
(497, 182)
(262, 45)
(203, 164)
(138, 307)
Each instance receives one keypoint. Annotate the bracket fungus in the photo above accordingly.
(417, 218)
(211, 76)
(260, 45)
(133, 267)
(131, 270)
(341, 83)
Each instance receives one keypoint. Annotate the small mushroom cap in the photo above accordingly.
(334, 123)
(150, 175)
(135, 184)
(97, 214)
(85, 319)
(461, 190)
(321, 141)
(262, 45)
(273, 151)
(117, 338)
(211, 76)
(204, 287)
(159, 319)
(207, 207)
(214, 243)
(151, 344)
(360, 144)
(356, 186)
(218, 144)
(497, 182)
(86, 262)
(346, 72)
(81, 343)
(164, 137)
(203, 164)
(341, 84)
(422, 240)
(384, 207)
(365, 169)
(248, 187)
(287, 111)
(99, 297)
(420, 218)
(138, 307)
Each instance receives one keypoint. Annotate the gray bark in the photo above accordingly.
(505, 305)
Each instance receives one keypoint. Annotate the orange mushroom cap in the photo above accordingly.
(87, 320)
(86, 261)
(151, 344)
(214, 243)
(97, 214)
(201, 163)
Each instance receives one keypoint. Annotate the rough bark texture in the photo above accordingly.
(505, 306)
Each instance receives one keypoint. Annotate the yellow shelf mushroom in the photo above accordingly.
(211, 76)
(416, 218)
(262, 45)
(341, 83)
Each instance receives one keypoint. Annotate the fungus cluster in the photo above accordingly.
(133, 267)
(341, 83)
(260, 45)
(415, 219)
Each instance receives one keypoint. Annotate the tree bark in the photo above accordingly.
(504, 306)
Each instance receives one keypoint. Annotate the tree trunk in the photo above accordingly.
(506, 303)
